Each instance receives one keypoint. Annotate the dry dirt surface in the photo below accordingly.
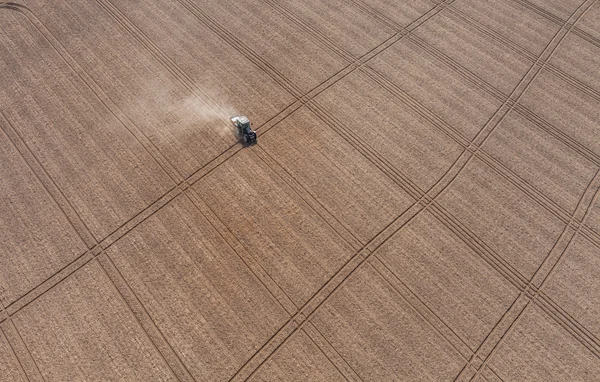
(422, 204)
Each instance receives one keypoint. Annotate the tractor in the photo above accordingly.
(244, 130)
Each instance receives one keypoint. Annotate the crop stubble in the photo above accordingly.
(183, 118)
(538, 349)
(202, 297)
(82, 330)
(10, 369)
(71, 131)
(513, 20)
(44, 242)
(344, 181)
(299, 360)
(301, 251)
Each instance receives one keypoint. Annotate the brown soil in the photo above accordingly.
(422, 204)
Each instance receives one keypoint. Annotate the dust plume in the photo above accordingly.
(182, 115)
(192, 111)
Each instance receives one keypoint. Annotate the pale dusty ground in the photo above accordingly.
(422, 203)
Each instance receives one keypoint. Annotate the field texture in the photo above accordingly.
(422, 204)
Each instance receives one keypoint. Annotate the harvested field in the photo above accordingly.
(423, 202)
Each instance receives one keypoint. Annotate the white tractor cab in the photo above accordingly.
(244, 130)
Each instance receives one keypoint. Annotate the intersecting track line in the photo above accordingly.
(533, 293)
(74, 67)
(421, 308)
(479, 139)
(490, 89)
(236, 47)
(336, 358)
(117, 288)
(501, 169)
(179, 369)
(520, 281)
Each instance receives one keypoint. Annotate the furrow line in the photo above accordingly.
(21, 351)
(330, 352)
(532, 291)
(12, 350)
(304, 314)
(241, 47)
(307, 197)
(242, 252)
(458, 68)
(367, 151)
(416, 106)
(47, 182)
(378, 15)
(143, 318)
(164, 199)
(541, 11)
(517, 48)
(585, 88)
(586, 36)
(547, 127)
(421, 308)
(148, 146)
(305, 26)
(524, 52)
(163, 348)
(558, 311)
(145, 42)
(591, 235)
(447, 129)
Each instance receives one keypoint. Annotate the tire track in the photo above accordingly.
(547, 127)
(455, 135)
(147, 324)
(21, 351)
(541, 11)
(70, 213)
(228, 153)
(552, 46)
(308, 198)
(308, 28)
(524, 52)
(580, 85)
(496, 261)
(532, 77)
(147, 319)
(148, 146)
(517, 48)
(241, 47)
(458, 68)
(490, 88)
(13, 353)
(421, 308)
(533, 294)
(586, 36)
(171, 66)
(46, 181)
(492, 162)
(322, 212)
(305, 312)
(331, 353)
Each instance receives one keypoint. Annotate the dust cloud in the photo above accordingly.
(192, 111)
(189, 117)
